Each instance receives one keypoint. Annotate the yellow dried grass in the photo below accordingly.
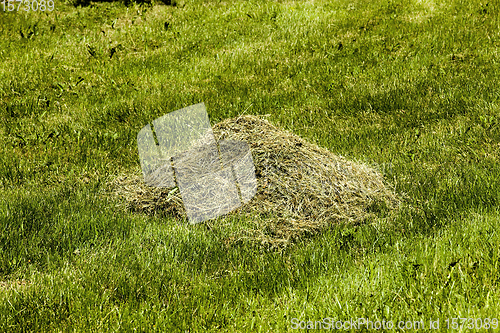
(302, 188)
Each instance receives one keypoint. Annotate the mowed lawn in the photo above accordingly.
(408, 87)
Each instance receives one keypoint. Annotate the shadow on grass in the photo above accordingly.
(85, 3)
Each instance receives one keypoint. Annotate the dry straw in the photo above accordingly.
(302, 188)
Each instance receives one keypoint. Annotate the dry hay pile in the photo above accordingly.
(302, 188)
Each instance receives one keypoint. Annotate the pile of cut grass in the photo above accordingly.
(301, 188)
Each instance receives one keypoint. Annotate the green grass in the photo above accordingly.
(410, 87)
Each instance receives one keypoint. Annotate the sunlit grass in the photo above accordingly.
(409, 87)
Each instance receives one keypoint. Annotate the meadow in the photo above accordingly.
(409, 87)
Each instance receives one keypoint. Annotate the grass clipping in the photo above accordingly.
(302, 188)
